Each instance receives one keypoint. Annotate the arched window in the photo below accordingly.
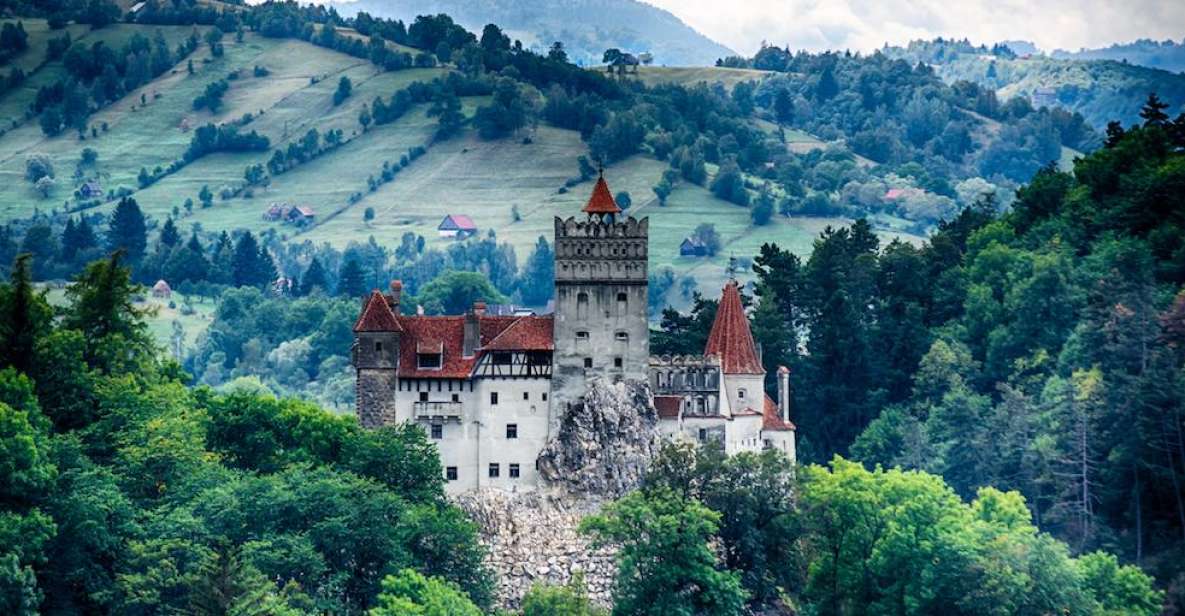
(741, 394)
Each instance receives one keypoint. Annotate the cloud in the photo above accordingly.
(865, 25)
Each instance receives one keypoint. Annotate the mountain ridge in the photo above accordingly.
(630, 25)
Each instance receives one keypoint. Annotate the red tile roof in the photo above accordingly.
(457, 221)
(668, 406)
(772, 419)
(377, 316)
(730, 338)
(446, 335)
(601, 201)
(529, 333)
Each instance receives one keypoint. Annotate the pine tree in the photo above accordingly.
(102, 307)
(168, 234)
(314, 278)
(1153, 111)
(351, 281)
(252, 265)
(69, 242)
(25, 315)
(128, 231)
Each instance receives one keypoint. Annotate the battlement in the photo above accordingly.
(630, 228)
(601, 250)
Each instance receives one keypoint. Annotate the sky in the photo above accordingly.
(864, 25)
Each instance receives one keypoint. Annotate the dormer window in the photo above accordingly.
(428, 361)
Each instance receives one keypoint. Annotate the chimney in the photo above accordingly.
(472, 334)
(396, 295)
(784, 392)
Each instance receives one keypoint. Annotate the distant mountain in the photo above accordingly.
(1165, 55)
(586, 27)
(1100, 89)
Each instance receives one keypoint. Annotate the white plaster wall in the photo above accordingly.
(479, 437)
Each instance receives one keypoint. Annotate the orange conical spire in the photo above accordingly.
(601, 201)
(731, 338)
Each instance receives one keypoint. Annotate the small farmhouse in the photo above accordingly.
(457, 226)
(692, 247)
(162, 290)
(301, 216)
(91, 189)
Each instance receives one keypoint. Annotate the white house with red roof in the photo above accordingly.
(490, 390)
(457, 226)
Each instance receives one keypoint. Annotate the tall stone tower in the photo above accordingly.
(375, 356)
(600, 298)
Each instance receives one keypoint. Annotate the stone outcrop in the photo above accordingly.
(601, 450)
(533, 538)
(604, 443)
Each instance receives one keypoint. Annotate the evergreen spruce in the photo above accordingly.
(127, 230)
(168, 234)
(314, 278)
(351, 281)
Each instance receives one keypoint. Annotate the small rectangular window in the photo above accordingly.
(582, 335)
(493, 397)
(616, 362)
(511, 430)
(494, 470)
(703, 435)
(526, 395)
(437, 431)
(514, 471)
(423, 396)
(378, 347)
(456, 397)
(545, 396)
(428, 361)
(450, 473)
(588, 362)
(622, 336)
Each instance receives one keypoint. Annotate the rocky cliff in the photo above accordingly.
(601, 450)
(604, 443)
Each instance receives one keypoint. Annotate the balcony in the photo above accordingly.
(446, 410)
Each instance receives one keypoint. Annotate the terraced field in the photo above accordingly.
(514, 187)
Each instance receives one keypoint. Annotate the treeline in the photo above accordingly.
(127, 492)
(98, 75)
(1035, 351)
(714, 534)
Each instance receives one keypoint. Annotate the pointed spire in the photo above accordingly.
(731, 339)
(601, 201)
(377, 316)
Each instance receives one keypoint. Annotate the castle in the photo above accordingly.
(491, 390)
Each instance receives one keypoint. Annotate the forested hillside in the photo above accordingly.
(586, 27)
(1166, 55)
(959, 301)
(1037, 351)
(1101, 87)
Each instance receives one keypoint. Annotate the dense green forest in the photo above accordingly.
(128, 492)
(1038, 351)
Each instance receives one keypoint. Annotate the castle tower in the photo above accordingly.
(740, 363)
(375, 356)
(600, 298)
